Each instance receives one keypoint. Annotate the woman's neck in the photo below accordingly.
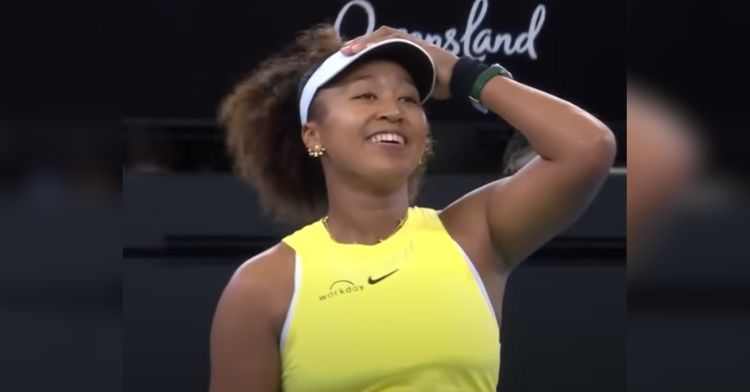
(355, 216)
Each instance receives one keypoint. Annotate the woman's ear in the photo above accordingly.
(310, 134)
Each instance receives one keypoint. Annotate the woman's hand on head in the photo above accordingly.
(444, 61)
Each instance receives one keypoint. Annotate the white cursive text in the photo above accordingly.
(473, 42)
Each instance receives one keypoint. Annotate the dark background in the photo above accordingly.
(688, 310)
(183, 57)
(694, 53)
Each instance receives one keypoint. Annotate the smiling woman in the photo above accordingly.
(334, 137)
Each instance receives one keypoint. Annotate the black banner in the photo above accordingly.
(183, 56)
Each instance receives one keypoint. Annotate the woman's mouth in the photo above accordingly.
(388, 138)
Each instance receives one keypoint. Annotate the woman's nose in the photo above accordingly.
(389, 110)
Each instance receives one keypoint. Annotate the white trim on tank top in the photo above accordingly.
(477, 278)
(292, 303)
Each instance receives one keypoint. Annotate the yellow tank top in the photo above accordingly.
(407, 314)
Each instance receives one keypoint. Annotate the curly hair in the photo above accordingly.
(263, 134)
(518, 152)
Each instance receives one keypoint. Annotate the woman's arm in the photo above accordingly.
(512, 217)
(244, 336)
(527, 209)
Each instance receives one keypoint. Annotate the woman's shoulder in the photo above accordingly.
(265, 282)
(267, 270)
(267, 264)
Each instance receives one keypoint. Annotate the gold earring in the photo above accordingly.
(317, 151)
(423, 158)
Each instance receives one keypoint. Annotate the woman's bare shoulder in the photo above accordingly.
(266, 280)
(247, 323)
(272, 263)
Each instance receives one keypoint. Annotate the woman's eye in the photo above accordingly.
(409, 99)
(366, 96)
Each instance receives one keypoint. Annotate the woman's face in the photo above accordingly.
(371, 124)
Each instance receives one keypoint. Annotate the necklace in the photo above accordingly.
(398, 227)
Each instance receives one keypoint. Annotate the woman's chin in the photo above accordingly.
(392, 168)
(391, 174)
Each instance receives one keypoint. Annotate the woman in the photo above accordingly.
(375, 294)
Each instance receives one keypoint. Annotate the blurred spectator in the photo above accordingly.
(148, 153)
(55, 162)
(687, 269)
(664, 160)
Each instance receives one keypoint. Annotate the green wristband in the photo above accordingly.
(489, 73)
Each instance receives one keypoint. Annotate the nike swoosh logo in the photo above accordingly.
(370, 280)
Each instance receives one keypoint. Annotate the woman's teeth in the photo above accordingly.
(387, 138)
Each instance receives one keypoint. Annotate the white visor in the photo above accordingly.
(411, 56)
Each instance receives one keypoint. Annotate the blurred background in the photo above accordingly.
(688, 269)
(60, 197)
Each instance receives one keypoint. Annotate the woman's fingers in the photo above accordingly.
(444, 61)
(357, 44)
(353, 48)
